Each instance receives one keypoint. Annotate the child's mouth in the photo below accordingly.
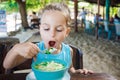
(51, 43)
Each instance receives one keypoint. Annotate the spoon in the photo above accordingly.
(48, 51)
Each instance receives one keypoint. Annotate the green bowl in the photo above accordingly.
(49, 75)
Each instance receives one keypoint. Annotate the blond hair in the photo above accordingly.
(62, 7)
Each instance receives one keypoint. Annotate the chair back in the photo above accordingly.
(6, 43)
(117, 28)
(106, 26)
(77, 61)
(77, 57)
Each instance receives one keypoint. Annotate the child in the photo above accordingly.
(54, 28)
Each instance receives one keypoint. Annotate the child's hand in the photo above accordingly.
(26, 50)
(84, 71)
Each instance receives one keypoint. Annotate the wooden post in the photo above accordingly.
(75, 14)
(97, 19)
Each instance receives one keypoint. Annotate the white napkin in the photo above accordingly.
(30, 76)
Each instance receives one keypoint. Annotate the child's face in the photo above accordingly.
(53, 28)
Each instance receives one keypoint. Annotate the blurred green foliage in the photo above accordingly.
(9, 6)
(12, 6)
(36, 5)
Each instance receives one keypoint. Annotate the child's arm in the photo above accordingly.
(82, 71)
(19, 53)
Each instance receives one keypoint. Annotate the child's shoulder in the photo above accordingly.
(66, 46)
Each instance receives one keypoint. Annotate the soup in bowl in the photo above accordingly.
(49, 69)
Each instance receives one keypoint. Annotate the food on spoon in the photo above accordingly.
(49, 51)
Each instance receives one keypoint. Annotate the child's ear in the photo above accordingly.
(68, 31)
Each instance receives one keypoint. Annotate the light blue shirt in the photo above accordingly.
(83, 14)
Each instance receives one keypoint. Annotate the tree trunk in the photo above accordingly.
(23, 13)
(76, 13)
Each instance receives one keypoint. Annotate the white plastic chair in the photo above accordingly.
(117, 28)
(88, 27)
(107, 29)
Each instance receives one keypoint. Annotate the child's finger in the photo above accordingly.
(35, 48)
(34, 58)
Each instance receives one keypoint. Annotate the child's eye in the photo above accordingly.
(59, 30)
(46, 29)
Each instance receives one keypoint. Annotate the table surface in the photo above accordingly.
(95, 76)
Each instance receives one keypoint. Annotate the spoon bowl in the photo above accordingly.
(48, 51)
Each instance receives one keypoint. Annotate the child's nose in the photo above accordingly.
(53, 33)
